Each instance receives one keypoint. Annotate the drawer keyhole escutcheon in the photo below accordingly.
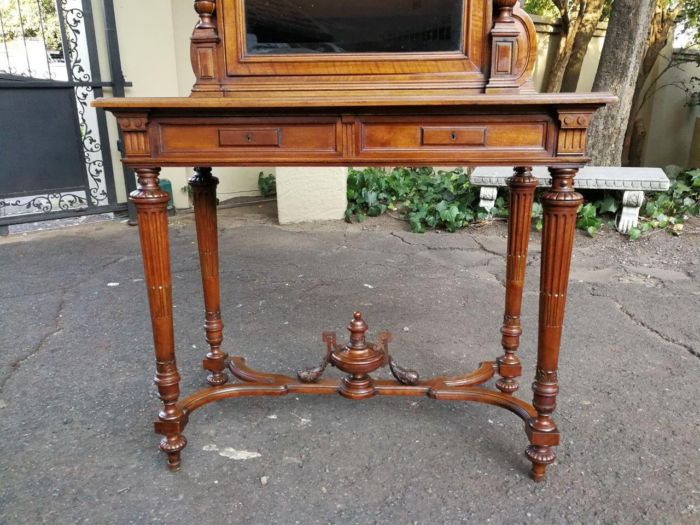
(249, 137)
(453, 136)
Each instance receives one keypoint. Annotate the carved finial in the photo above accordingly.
(358, 328)
(505, 10)
(205, 9)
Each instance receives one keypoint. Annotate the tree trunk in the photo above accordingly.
(590, 19)
(566, 43)
(662, 24)
(569, 27)
(620, 63)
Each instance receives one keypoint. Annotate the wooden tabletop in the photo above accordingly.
(373, 99)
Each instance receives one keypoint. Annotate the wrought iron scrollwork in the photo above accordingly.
(44, 203)
(73, 16)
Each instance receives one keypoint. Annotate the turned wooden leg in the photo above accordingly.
(522, 192)
(203, 186)
(560, 205)
(151, 203)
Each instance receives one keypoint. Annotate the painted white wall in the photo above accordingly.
(311, 194)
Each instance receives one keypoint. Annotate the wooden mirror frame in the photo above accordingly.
(498, 52)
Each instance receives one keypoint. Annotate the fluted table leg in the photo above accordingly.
(151, 206)
(560, 205)
(522, 191)
(203, 185)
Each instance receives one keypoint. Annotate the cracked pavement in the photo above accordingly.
(77, 400)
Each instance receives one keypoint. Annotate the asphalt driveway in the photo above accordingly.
(77, 401)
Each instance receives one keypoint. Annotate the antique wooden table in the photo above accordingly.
(398, 104)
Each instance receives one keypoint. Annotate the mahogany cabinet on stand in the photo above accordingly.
(361, 83)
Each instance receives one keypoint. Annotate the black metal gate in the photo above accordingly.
(55, 159)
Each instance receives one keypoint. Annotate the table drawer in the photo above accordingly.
(247, 137)
(379, 138)
(234, 136)
(453, 136)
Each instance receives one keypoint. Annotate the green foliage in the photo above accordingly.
(671, 209)
(267, 185)
(688, 21)
(35, 24)
(542, 8)
(549, 9)
(447, 200)
(427, 199)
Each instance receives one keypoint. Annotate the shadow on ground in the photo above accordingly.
(77, 403)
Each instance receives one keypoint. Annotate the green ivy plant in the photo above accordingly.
(427, 199)
(671, 209)
(267, 185)
(447, 200)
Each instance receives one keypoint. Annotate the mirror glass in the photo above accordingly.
(352, 26)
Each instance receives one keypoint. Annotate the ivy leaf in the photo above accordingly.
(416, 226)
(635, 234)
(608, 205)
(449, 214)
(588, 211)
(370, 197)
(537, 210)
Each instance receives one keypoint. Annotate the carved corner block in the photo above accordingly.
(513, 49)
(134, 127)
(573, 132)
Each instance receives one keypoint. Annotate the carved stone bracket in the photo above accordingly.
(358, 359)
(632, 202)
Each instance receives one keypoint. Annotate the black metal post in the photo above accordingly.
(115, 69)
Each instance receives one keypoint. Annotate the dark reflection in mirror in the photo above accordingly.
(353, 26)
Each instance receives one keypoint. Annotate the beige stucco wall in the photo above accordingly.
(671, 121)
(163, 71)
(311, 194)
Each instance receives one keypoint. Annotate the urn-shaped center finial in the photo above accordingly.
(358, 328)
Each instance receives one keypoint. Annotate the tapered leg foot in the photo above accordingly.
(173, 446)
(540, 457)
